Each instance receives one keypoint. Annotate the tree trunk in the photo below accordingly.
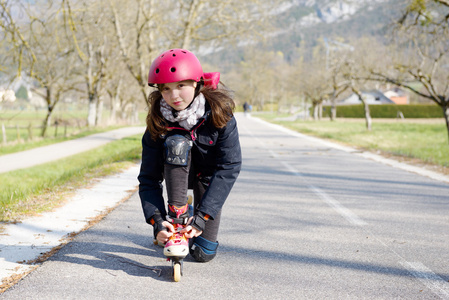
(445, 108)
(315, 111)
(333, 113)
(320, 111)
(47, 121)
(4, 139)
(99, 112)
(90, 85)
(92, 114)
(195, 8)
(50, 108)
(114, 105)
(365, 106)
(368, 120)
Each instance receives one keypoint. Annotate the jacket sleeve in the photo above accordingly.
(228, 165)
(151, 177)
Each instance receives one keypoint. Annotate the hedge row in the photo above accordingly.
(387, 111)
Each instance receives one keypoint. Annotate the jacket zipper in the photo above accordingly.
(192, 132)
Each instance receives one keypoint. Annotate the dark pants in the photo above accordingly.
(177, 179)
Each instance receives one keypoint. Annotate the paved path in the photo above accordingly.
(305, 220)
(24, 242)
(36, 156)
(29, 239)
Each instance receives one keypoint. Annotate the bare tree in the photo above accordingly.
(337, 53)
(21, 49)
(315, 81)
(315, 86)
(421, 37)
(85, 23)
(83, 44)
(135, 34)
(41, 51)
(259, 79)
(356, 90)
(369, 54)
(105, 49)
(339, 84)
(53, 68)
(209, 23)
(187, 24)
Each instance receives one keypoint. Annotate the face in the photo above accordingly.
(179, 94)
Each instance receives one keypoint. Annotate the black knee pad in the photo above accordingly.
(177, 148)
(203, 250)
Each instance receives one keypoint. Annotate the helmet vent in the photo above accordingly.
(172, 69)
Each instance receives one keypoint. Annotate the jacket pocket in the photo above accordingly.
(208, 138)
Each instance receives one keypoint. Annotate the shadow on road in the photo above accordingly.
(143, 259)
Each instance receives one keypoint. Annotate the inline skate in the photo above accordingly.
(177, 247)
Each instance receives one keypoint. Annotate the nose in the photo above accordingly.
(174, 93)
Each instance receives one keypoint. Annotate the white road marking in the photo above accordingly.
(431, 280)
(342, 210)
(346, 213)
(386, 161)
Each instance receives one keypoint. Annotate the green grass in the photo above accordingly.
(70, 121)
(30, 144)
(76, 128)
(425, 141)
(37, 189)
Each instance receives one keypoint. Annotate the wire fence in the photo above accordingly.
(20, 134)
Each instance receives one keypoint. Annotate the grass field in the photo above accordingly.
(37, 189)
(424, 141)
(34, 190)
(20, 124)
(23, 129)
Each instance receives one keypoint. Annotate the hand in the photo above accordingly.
(190, 231)
(163, 235)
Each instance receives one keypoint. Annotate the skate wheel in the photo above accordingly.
(177, 272)
(189, 199)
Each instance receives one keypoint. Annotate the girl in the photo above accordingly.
(191, 141)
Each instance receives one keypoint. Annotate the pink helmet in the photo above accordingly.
(175, 65)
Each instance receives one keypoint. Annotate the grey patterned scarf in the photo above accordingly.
(188, 117)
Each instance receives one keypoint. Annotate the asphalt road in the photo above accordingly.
(304, 221)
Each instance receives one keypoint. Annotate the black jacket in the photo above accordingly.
(216, 155)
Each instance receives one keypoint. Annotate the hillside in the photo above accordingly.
(335, 19)
(308, 21)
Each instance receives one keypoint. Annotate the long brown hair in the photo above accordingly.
(220, 100)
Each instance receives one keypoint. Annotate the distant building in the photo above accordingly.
(36, 100)
(370, 97)
(397, 95)
(7, 95)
